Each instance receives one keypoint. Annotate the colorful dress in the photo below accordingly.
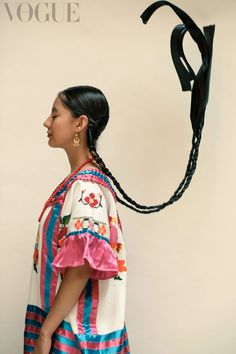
(81, 222)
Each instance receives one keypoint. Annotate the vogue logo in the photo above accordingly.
(43, 11)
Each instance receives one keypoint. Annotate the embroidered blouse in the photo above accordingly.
(81, 223)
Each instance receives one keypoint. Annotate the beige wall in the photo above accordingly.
(181, 290)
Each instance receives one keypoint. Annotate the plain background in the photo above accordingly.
(181, 288)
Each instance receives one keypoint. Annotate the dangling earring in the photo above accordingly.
(76, 139)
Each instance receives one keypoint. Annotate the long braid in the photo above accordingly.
(153, 208)
(91, 101)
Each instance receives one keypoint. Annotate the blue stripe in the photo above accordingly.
(33, 322)
(36, 309)
(31, 335)
(101, 337)
(49, 259)
(109, 350)
(87, 307)
(87, 337)
(67, 326)
(59, 338)
(33, 308)
(73, 233)
(57, 351)
(28, 348)
(64, 340)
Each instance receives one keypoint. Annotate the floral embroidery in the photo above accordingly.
(36, 252)
(63, 229)
(79, 224)
(121, 268)
(119, 246)
(91, 200)
(113, 232)
(102, 230)
(117, 277)
(121, 265)
(100, 227)
(114, 223)
(85, 222)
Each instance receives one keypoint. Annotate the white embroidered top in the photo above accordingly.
(81, 223)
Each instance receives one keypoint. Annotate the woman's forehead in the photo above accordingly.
(57, 105)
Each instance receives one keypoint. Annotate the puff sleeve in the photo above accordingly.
(87, 235)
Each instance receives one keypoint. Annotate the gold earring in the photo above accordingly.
(76, 139)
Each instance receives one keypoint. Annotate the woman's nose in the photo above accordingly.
(45, 123)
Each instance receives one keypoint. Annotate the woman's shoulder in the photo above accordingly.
(93, 180)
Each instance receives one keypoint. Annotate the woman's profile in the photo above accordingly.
(77, 296)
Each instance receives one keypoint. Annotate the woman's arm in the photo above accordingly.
(72, 285)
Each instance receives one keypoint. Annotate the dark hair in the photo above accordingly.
(91, 101)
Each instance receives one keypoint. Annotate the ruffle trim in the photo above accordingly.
(98, 252)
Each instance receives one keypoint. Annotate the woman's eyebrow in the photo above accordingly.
(54, 109)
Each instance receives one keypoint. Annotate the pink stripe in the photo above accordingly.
(43, 258)
(55, 343)
(80, 312)
(60, 331)
(93, 315)
(64, 347)
(84, 345)
(30, 341)
(65, 333)
(34, 316)
(31, 328)
(103, 345)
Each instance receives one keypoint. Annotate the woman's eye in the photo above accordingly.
(54, 116)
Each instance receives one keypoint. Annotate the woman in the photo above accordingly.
(77, 294)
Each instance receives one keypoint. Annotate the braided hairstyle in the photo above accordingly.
(91, 101)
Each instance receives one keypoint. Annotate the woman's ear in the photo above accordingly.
(81, 122)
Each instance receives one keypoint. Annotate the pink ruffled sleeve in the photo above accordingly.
(87, 232)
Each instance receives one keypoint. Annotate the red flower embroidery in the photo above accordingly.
(117, 246)
(121, 265)
(91, 200)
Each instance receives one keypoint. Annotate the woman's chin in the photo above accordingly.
(50, 142)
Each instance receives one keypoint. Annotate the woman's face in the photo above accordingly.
(61, 126)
